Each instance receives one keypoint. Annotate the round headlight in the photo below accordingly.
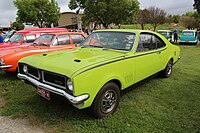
(25, 68)
(70, 85)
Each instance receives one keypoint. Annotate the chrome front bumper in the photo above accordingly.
(76, 101)
(5, 67)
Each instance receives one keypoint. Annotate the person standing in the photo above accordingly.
(175, 32)
(1, 38)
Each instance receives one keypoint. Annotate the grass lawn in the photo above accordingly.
(158, 105)
(165, 26)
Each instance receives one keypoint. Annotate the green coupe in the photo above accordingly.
(107, 62)
(167, 34)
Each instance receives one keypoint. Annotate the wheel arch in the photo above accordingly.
(117, 82)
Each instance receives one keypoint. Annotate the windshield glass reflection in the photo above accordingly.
(110, 40)
(44, 40)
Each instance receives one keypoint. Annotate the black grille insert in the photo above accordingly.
(33, 72)
(54, 79)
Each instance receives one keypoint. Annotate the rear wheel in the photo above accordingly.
(166, 73)
(106, 101)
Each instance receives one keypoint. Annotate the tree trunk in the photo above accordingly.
(105, 26)
(142, 25)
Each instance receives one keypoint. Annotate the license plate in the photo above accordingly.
(44, 93)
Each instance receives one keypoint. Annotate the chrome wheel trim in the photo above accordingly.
(169, 69)
(108, 101)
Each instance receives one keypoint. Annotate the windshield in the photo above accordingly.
(16, 38)
(188, 33)
(110, 40)
(44, 40)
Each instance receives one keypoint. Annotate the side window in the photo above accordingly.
(159, 42)
(77, 39)
(148, 42)
(63, 40)
(29, 38)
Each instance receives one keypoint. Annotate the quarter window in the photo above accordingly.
(148, 42)
(77, 39)
(30, 38)
(63, 40)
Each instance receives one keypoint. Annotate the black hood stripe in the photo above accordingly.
(124, 58)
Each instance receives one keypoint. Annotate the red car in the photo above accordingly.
(26, 37)
(45, 43)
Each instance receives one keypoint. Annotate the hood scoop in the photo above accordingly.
(44, 54)
(77, 60)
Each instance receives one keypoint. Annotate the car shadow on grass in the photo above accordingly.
(8, 76)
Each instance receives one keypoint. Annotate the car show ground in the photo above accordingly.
(159, 105)
(9, 125)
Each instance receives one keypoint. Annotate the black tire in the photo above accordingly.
(106, 101)
(166, 73)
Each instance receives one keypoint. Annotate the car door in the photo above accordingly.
(148, 56)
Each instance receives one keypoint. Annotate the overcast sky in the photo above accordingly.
(8, 11)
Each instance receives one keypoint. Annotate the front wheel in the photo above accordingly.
(166, 73)
(106, 101)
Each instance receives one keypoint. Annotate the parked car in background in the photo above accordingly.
(26, 37)
(8, 34)
(189, 37)
(167, 34)
(45, 43)
(107, 62)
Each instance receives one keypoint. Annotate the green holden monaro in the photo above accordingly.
(107, 62)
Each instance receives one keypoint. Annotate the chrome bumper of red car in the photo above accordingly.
(76, 101)
(5, 67)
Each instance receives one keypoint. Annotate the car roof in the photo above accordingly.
(38, 30)
(126, 30)
(64, 32)
(189, 31)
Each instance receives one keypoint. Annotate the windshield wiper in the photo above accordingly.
(86, 46)
(118, 48)
(96, 46)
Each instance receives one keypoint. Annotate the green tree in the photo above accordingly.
(17, 25)
(41, 13)
(189, 22)
(169, 19)
(106, 12)
(197, 5)
(176, 18)
(76, 4)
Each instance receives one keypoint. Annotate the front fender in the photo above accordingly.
(90, 82)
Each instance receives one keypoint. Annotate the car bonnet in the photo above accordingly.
(68, 62)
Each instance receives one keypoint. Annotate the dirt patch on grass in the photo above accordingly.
(2, 103)
(9, 125)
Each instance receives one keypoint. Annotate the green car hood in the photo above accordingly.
(69, 62)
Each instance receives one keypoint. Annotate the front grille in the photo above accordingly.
(32, 71)
(54, 79)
